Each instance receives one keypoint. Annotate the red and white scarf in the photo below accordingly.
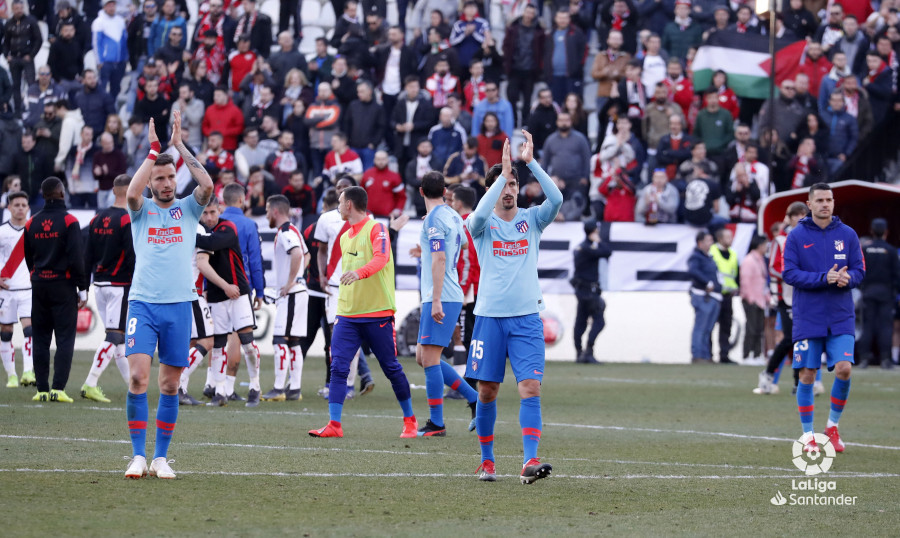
(245, 25)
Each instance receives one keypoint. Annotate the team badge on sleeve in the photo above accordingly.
(838, 245)
(522, 226)
(176, 213)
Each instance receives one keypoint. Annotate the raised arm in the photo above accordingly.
(204, 189)
(550, 207)
(135, 194)
(479, 217)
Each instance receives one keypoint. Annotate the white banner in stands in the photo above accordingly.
(645, 258)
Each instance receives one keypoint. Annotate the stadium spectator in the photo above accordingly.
(834, 79)
(66, 14)
(343, 85)
(657, 203)
(567, 157)
(542, 120)
(387, 193)
(38, 94)
(286, 58)
(632, 97)
(441, 83)
(831, 29)
(156, 106)
(22, 41)
(467, 167)
(491, 139)
(447, 136)
(259, 188)
(856, 102)
(111, 45)
(586, 282)
(754, 293)
(460, 115)
(136, 146)
(255, 110)
(394, 62)
(564, 52)
(609, 67)
(679, 89)
(714, 125)
(341, 160)
(80, 172)
(365, 124)
(701, 191)
(574, 106)
(493, 102)
(683, 33)
(423, 162)
(66, 59)
(284, 161)
(490, 59)
(815, 66)
(301, 196)
(799, 20)
(468, 33)
(216, 158)
(55, 258)
(523, 56)
(745, 21)
(93, 102)
(255, 24)
(46, 133)
(843, 132)
(786, 113)
(854, 44)
(411, 120)
(706, 297)
(653, 62)
(675, 147)
(742, 195)
(192, 111)
(877, 84)
(879, 291)
(621, 16)
(802, 95)
(108, 164)
(804, 170)
(223, 116)
(163, 24)
(138, 31)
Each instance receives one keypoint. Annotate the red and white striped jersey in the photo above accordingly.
(287, 238)
(12, 256)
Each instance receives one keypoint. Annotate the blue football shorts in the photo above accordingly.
(521, 338)
(434, 333)
(167, 326)
(837, 348)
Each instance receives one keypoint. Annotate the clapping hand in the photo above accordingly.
(528, 147)
(843, 278)
(506, 160)
(176, 128)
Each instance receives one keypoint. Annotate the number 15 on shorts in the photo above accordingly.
(477, 349)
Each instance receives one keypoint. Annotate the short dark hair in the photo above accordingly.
(701, 235)
(494, 173)
(358, 197)
(164, 159)
(23, 194)
(756, 241)
(341, 135)
(330, 198)
(349, 179)
(216, 133)
(433, 185)
(232, 193)
(122, 180)
(819, 187)
(465, 195)
(797, 208)
(471, 142)
(278, 202)
(254, 169)
(878, 227)
(411, 78)
(50, 186)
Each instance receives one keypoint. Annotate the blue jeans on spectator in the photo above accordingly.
(706, 312)
(111, 73)
(560, 87)
(105, 199)
(83, 200)
(367, 156)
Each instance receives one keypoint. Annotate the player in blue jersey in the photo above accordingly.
(442, 238)
(823, 262)
(507, 322)
(164, 231)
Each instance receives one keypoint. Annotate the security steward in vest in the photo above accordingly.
(879, 296)
(727, 264)
(54, 254)
(586, 281)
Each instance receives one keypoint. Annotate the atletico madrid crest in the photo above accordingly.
(131, 343)
(176, 213)
(839, 245)
(522, 226)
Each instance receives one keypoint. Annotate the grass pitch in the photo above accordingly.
(635, 449)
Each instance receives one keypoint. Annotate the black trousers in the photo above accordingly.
(19, 67)
(521, 85)
(590, 306)
(54, 309)
(785, 346)
(878, 328)
(726, 314)
(753, 335)
(288, 9)
(316, 319)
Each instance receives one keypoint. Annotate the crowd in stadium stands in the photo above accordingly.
(441, 89)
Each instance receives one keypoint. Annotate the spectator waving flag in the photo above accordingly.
(745, 57)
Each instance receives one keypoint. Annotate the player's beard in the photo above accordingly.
(158, 195)
(509, 203)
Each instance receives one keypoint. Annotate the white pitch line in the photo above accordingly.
(551, 424)
(442, 454)
(449, 475)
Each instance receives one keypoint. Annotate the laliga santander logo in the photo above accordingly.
(815, 461)
(553, 328)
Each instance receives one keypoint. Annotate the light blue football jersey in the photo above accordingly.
(442, 231)
(164, 241)
(508, 251)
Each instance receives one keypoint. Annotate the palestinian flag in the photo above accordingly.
(745, 57)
